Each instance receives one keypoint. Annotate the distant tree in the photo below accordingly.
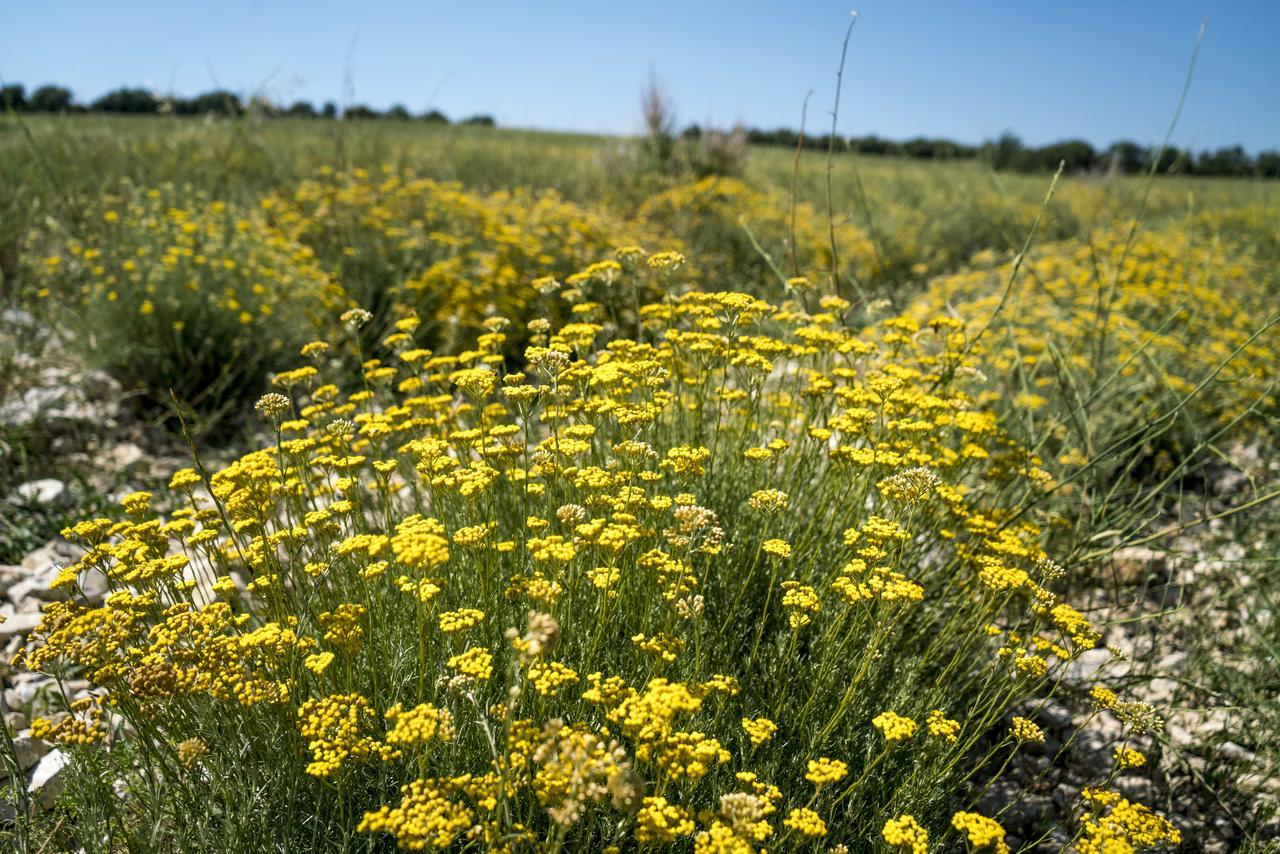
(301, 110)
(778, 136)
(1007, 152)
(1173, 159)
(436, 117)
(50, 99)
(691, 132)
(1125, 156)
(360, 111)
(481, 120)
(13, 97)
(260, 105)
(126, 100)
(1269, 164)
(218, 101)
(871, 145)
(329, 110)
(659, 114)
(924, 147)
(398, 111)
(1231, 161)
(821, 142)
(1076, 155)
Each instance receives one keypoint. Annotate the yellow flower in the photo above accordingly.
(779, 549)
(659, 820)
(806, 823)
(800, 602)
(475, 663)
(418, 726)
(823, 771)
(894, 727)
(461, 620)
(905, 833)
(940, 726)
(759, 730)
(769, 501)
(1127, 757)
(1024, 729)
(318, 662)
(980, 831)
(425, 817)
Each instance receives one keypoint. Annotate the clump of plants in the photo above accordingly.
(451, 256)
(720, 573)
(178, 295)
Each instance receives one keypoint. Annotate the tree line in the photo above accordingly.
(51, 98)
(1008, 152)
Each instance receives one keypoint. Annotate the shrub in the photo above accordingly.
(712, 217)
(750, 577)
(1165, 323)
(454, 257)
(178, 293)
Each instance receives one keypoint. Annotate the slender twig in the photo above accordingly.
(795, 179)
(1018, 259)
(831, 147)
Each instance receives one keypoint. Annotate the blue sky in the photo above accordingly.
(1101, 70)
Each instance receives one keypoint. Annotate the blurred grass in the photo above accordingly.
(950, 209)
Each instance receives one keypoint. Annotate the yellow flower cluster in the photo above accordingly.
(1024, 729)
(451, 256)
(980, 831)
(1164, 313)
(708, 216)
(894, 727)
(1117, 824)
(906, 834)
(425, 818)
(824, 771)
(806, 823)
(759, 730)
(419, 726)
(209, 291)
(336, 728)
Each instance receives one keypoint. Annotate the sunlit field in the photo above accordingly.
(377, 484)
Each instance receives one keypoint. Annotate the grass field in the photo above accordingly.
(479, 489)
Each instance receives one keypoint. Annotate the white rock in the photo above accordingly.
(55, 553)
(1235, 752)
(1158, 691)
(1138, 789)
(18, 317)
(93, 585)
(1086, 665)
(9, 576)
(29, 750)
(48, 779)
(25, 687)
(1191, 727)
(44, 491)
(99, 384)
(122, 456)
(1136, 564)
(21, 624)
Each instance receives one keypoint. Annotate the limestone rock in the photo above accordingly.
(1138, 564)
(48, 779)
(44, 491)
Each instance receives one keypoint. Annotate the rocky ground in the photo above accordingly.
(68, 447)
